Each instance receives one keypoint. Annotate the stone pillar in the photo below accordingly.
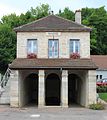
(64, 89)
(41, 95)
(14, 91)
(91, 87)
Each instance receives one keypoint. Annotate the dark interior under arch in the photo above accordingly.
(52, 90)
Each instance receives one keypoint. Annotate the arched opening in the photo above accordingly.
(31, 89)
(52, 90)
(74, 89)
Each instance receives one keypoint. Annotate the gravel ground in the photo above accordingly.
(55, 113)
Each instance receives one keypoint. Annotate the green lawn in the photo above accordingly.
(103, 96)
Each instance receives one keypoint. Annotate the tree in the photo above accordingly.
(67, 13)
(12, 20)
(40, 11)
(97, 19)
(7, 46)
(26, 18)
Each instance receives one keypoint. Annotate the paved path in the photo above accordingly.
(32, 113)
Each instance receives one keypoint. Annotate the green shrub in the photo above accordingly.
(101, 89)
(97, 106)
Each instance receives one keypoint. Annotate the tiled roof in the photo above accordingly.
(52, 23)
(100, 61)
(24, 63)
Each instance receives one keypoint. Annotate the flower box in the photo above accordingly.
(31, 55)
(75, 55)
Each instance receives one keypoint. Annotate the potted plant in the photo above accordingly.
(31, 55)
(75, 55)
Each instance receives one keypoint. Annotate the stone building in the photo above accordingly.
(53, 65)
(101, 62)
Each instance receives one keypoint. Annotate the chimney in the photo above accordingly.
(78, 16)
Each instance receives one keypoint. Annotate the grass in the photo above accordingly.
(103, 96)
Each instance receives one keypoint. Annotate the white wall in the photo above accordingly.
(101, 72)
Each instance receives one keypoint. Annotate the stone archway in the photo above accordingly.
(74, 89)
(30, 89)
(52, 90)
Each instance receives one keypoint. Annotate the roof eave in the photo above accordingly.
(55, 30)
(59, 67)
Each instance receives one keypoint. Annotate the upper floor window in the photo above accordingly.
(32, 48)
(53, 48)
(74, 46)
(100, 76)
(97, 77)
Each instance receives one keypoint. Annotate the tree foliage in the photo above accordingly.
(67, 13)
(40, 11)
(97, 19)
(7, 46)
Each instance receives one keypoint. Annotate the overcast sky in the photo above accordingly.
(21, 6)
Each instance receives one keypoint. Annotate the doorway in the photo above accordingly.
(31, 89)
(52, 90)
(74, 89)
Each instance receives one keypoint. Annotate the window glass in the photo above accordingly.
(53, 48)
(97, 77)
(32, 46)
(71, 46)
(74, 46)
(56, 48)
(100, 76)
(50, 48)
(77, 46)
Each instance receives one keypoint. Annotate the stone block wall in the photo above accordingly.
(14, 88)
(91, 85)
(42, 43)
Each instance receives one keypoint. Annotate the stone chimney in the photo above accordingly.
(78, 16)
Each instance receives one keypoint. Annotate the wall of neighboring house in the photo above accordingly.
(42, 42)
(100, 74)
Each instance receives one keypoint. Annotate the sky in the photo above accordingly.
(22, 6)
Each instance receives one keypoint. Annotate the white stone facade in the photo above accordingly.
(42, 43)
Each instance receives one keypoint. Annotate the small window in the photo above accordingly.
(74, 46)
(97, 77)
(100, 76)
(53, 48)
(32, 46)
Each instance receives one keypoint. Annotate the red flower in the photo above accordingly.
(75, 55)
(31, 55)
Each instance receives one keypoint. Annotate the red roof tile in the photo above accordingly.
(100, 61)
